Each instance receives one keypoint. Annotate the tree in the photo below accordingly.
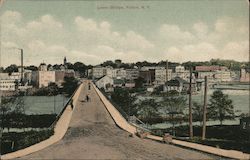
(80, 67)
(53, 89)
(32, 68)
(148, 108)
(11, 68)
(69, 85)
(109, 63)
(198, 112)
(125, 100)
(220, 107)
(5, 109)
(173, 104)
(139, 82)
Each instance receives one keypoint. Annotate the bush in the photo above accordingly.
(15, 141)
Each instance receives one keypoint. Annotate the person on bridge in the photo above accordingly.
(89, 86)
(87, 98)
(71, 104)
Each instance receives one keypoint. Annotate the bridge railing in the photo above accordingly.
(65, 106)
(138, 123)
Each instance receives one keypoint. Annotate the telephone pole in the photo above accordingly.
(204, 111)
(167, 70)
(190, 106)
(21, 65)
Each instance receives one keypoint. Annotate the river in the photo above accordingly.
(239, 97)
(44, 104)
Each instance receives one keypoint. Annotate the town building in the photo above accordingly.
(244, 75)
(46, 77)
(116, 72)
(129, 84)
(105, 82)
(121, 73)
(132, 74)
(222, 76)
(181, 72)
(147, 68)
(210, 76)
(119, 82)
(148, 76)
(180, 85)
(209, 68)
(6, 83)
(162, 76)
(98, 72)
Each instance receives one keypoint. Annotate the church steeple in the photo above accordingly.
(64, 61)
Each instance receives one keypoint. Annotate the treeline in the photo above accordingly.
(82, 68)
(171, 107)
(231, 64)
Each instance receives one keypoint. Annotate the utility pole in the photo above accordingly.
(204, 111)
(190, 106)
(167, 70)
(1, 119)
(21, 65)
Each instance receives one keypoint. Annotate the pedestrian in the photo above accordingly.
(89, 86)
(71, 104)
(87, 98)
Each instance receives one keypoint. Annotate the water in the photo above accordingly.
(44, 104)
(209, 123)
(41, 105)
(240, 100)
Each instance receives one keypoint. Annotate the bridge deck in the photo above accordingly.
(92, 134)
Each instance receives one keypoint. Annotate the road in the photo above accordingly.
(92, 134)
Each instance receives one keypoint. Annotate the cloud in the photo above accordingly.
(238, 51)
(92, 41)
(173, 32)
(10, 17)
(46, 22)
(195, 52)
(201, 30)
(9, 45)
(101, 33)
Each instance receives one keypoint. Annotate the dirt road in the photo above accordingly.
(92, 134)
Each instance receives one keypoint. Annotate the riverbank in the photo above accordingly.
(229, 137)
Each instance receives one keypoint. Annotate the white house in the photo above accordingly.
(105, 82)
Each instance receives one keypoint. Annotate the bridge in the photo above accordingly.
(91, 133)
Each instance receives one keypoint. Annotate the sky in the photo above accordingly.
(95, 31)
